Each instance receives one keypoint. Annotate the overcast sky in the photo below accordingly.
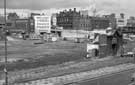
(126, 6)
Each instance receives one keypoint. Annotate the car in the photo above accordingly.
(132, 79)
(128, 54)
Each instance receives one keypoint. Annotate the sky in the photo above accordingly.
(126, 6)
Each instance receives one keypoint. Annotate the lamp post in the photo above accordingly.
(5, 33)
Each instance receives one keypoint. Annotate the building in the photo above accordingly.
(54, 19)
(131, 22)
(12, 16)
(84, 12)
(34, 14)
(31, 22)
(73, 20)
(121, 21)
(99, 23)
(18, 26)
(42, 24)
(128, 30)
(1, 27)
(1, 21)
(112, 20)
(106, 43)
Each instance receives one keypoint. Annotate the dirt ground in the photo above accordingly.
(52, 53)
(49, 53)
(32, 55)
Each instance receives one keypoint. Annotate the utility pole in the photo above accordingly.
(5, 33)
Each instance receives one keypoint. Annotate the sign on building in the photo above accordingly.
(42, 24)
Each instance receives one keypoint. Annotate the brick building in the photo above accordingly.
(99, 22)
(109, 43)
(18, 25)
(74, 20)
(112, 20)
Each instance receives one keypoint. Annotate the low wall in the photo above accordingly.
(74, 33)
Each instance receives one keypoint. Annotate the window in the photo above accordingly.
(9, 24)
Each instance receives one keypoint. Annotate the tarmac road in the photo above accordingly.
(122, 78)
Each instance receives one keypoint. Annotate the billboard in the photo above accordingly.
(42, 24)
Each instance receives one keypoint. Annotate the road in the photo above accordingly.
(122, 78)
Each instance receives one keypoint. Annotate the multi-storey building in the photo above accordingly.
(99, 23)
(121, 21)
(131, 22)
(112, 20)
(74, 20)
(42, 24)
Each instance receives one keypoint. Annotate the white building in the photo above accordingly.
(42, 24)
(121, 20)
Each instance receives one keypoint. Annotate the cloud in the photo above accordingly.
(102, 5)
(43, 4)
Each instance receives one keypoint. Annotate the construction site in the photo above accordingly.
(70, 47)
(39, 58)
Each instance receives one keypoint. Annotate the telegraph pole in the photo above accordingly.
(5, 33)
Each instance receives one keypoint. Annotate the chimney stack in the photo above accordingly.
(74, 9)
(122, 15)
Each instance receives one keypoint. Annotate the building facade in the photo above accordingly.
(99, 23)
(112, 20)
(106, 44)
(54, 19)
(12, 16)
(131, 22)
(121, 21)
(42, 24)
(74, 20)
(18, 25)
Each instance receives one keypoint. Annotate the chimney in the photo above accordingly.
(122, 15)
(74, 9)
(113, 15)
(70, 10)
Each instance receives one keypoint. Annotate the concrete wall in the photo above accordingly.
(74, 34)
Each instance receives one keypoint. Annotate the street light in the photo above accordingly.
(5, 33)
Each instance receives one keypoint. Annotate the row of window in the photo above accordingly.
(43, 23)
(43, 26)
(64, 20)
(43, 20)
(85, 25)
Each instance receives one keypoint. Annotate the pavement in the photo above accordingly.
(89, 75)
(122, 78)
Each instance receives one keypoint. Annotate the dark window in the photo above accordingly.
(9, 24)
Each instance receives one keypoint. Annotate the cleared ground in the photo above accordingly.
(50, 53)
(35, 55)
(53, 53)
(32, 55)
